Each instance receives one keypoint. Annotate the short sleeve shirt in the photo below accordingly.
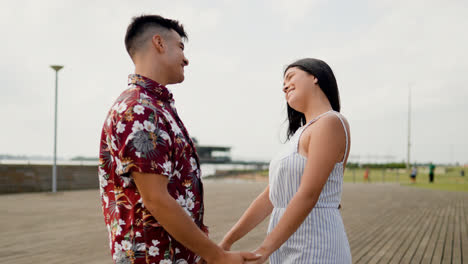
(143, 133)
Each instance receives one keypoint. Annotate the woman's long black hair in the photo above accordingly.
(327, 82)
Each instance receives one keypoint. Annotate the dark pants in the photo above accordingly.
(431, 177)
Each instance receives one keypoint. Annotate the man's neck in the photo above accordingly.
(155, 74)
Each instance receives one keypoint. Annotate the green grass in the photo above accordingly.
(447, 179)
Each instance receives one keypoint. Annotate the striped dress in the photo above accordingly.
(321, 238)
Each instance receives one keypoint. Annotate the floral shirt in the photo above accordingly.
(143, 133)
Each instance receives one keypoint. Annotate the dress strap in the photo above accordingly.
(308, 124)
(346, 134)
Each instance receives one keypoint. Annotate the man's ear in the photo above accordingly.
(158, 43)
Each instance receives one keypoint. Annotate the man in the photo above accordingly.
(149, 172)
(431, 172)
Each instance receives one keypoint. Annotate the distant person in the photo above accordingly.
(304, 191)
(414, 172)
(462, 172)
(366, 175)
(431, 172)
(149, 171)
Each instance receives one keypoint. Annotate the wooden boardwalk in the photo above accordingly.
(385, 223)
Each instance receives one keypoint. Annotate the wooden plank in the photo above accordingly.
(405, 242)
(456, 255)
(426, 225)
(449, 238)
(464, 231)
(365, 242)
(381, 238)
(429, 234)
(441, 238)
(432, 242)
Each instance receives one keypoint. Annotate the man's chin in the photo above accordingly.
(176, 81)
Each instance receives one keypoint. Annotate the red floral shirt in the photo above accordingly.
(143, 133)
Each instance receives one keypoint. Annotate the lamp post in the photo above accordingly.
(56, 68)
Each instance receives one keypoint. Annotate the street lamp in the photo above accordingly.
(56, 68)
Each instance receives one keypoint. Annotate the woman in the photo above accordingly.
(305, 183)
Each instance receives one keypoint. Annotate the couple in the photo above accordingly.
(149, 171)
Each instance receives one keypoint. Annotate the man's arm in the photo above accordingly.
(166, 210)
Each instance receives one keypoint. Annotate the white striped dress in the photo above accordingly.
(321, 238)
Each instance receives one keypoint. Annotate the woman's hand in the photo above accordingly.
(225, 245)
(264, 256)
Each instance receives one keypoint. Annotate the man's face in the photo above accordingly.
(175, 58)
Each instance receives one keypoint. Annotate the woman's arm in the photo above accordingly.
(260, 208)
(325, 148)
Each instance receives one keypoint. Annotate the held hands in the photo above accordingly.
(255, 257)
(233, 258)
(262, 259)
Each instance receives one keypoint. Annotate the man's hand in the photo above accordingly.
(263, 257)
(236, 258)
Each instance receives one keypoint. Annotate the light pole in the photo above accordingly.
(408, 161)
(56, 68)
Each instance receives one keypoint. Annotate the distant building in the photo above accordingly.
(213, 154)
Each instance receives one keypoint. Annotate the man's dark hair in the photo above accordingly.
(135, 35)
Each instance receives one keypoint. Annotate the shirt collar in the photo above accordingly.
(160, 90)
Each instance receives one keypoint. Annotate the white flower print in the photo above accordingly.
(150, 127)
(115, 107)
(177, 174)
(120, 127)
(122, 107)
(121, 222)
(190, 204)
(164, 135)
(167, 166)
(118, 231)
(119, 256)
(102, 184)
(142, 95)
(176, 129)
(137, 234)
(190, 194)
(137, 126)
(119, 167)
(193, 163)
(106, 200)
(140, 247)
(126, 181)
(111, 142)
(117, 247)
(126, 245)
(153, 251)
(102, 180)
(181, 200)
(101, 172)
(139, 109)
(138, 154)
(165, 261)
(181, 261)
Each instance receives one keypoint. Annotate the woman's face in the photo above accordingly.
(298, 86)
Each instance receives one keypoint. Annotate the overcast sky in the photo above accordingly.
(232, 91)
